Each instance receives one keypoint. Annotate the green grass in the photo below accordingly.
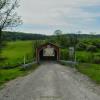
(6, 75)
(14, 53)
(86, 57)
(82, 56)
(91, 70)
(9, 74)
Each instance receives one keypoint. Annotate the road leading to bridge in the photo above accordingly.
(50, 81)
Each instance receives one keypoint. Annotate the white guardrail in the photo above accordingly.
(29, 64)
(69, 63)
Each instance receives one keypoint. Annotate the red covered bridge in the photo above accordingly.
(47, 52)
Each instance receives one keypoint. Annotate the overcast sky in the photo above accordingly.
(46, 16)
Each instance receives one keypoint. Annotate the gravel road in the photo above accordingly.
(50, 81)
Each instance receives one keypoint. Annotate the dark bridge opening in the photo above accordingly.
(48, 58)
(48, 52)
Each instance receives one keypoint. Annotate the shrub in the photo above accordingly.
(81, 46)
(83, 56)
(96, 60)
(64, 54)
(92, 48)
(96, 43)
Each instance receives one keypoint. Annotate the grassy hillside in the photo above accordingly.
(91, 70)
(14, 53)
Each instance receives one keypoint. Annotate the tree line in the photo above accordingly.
(13, 36)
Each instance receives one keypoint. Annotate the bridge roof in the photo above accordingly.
(51, 44)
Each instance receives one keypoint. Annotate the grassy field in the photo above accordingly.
(91, 70)
(9, 74)
(14, 53)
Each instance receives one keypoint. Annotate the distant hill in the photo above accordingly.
(9, 36)
(22, 36)
(81, 36)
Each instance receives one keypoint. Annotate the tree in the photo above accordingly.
(58, 34)
(61, 39)
(8, 16)
(73, 38)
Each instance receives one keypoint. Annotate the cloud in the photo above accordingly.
(63, 14)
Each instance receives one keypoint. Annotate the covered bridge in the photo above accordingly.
(47, 52)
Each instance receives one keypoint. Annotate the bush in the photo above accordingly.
(64, 54)
(92, 48)
(96, 43)
(81, 46)
(83, 56)
(96, 60)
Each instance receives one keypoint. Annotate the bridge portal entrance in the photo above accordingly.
(48, 52)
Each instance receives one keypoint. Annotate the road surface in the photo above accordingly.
(50, 81)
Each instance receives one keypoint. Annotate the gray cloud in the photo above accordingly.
(57, 13)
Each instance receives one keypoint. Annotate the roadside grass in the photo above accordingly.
(87, 57)
(9, 74)
(91, 70)
(14, 53)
